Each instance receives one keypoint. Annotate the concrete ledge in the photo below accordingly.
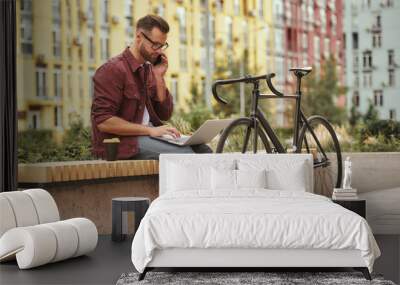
(374, 170)
(49, 172)
(86, 188)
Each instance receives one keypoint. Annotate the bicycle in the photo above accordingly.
(311, 135)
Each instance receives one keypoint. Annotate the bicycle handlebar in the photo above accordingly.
(271, 87)
(246, 79)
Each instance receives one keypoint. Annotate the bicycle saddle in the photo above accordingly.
(301, 71)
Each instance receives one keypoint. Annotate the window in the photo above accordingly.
(236, 7)
(58, 117)
(57, 83)
(367, 82)
(174, 89)
(322, 15)
(104, 45)
(356, 99)
(41, 86)
(355, 40)
(290, 39)
(56, 41)
(34, 120)
(56, 7)
(355, 61)
(181, 11)
(69, 85)
(91, 47)
(129, 21)
(305, 41)
(260, 7)
(387, 3)
(356, 80)
(203, 58)
(69, 12)
(212, 42)
(391, 77)
(91, 84)
(376, 40)
(203, 27)
(327, 49)
(278, 40)
(367, 59)
(392, 114)
(378, 21)
(56, 33)
(104, 12)
(391, 57)
(69, 45)
(310, 11)
(80, 80)
(26, 26)
(228, 21)
(183, 57)
(316, 48)
(161, 10)
(378, 98)
(220, 4)
(90, 14)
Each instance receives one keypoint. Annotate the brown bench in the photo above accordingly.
(49, 172)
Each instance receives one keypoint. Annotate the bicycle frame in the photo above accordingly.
(299, 120)
(257, 116)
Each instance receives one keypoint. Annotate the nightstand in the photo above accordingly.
(357, 206)
(120, 207)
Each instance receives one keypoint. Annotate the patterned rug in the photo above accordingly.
(243, 278)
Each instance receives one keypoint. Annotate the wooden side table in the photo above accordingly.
(357, 206)
(120, 208)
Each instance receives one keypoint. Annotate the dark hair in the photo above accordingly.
(149, 22)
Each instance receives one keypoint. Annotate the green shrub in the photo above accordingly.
(37, 146)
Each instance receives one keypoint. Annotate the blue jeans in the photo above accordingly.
(150, 148)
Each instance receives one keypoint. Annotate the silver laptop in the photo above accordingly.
(207, 131)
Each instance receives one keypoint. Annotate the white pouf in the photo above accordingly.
(31, 232)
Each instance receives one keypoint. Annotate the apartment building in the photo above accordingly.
(62, 42)
(373, 56)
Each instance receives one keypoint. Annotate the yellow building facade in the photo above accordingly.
(60, 43)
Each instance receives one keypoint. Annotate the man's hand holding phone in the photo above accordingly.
(160, 66)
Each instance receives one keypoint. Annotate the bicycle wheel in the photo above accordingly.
(238, 137)
(320, 140)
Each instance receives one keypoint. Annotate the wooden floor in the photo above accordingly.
(103, 266)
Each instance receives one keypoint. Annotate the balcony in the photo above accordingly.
(376, 28)
(42, 101)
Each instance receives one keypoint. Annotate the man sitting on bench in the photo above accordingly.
(130, 97)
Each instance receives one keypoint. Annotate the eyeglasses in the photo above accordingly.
(154, 45)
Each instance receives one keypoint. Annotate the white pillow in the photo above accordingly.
(251, 178)
(194, 176)
(281, 174)
(294, 179)
(224, 179)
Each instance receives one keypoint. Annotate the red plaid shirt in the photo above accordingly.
(122, 88)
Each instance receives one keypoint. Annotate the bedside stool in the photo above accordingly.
(357, 206)
(120, 207)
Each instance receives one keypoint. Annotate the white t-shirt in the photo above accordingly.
(146, 118)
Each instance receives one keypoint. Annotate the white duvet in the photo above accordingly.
(256, 218)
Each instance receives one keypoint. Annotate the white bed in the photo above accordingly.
(215, 211)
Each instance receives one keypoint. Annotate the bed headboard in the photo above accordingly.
(210, 159)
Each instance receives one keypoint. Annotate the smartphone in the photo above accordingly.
(158, 60)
